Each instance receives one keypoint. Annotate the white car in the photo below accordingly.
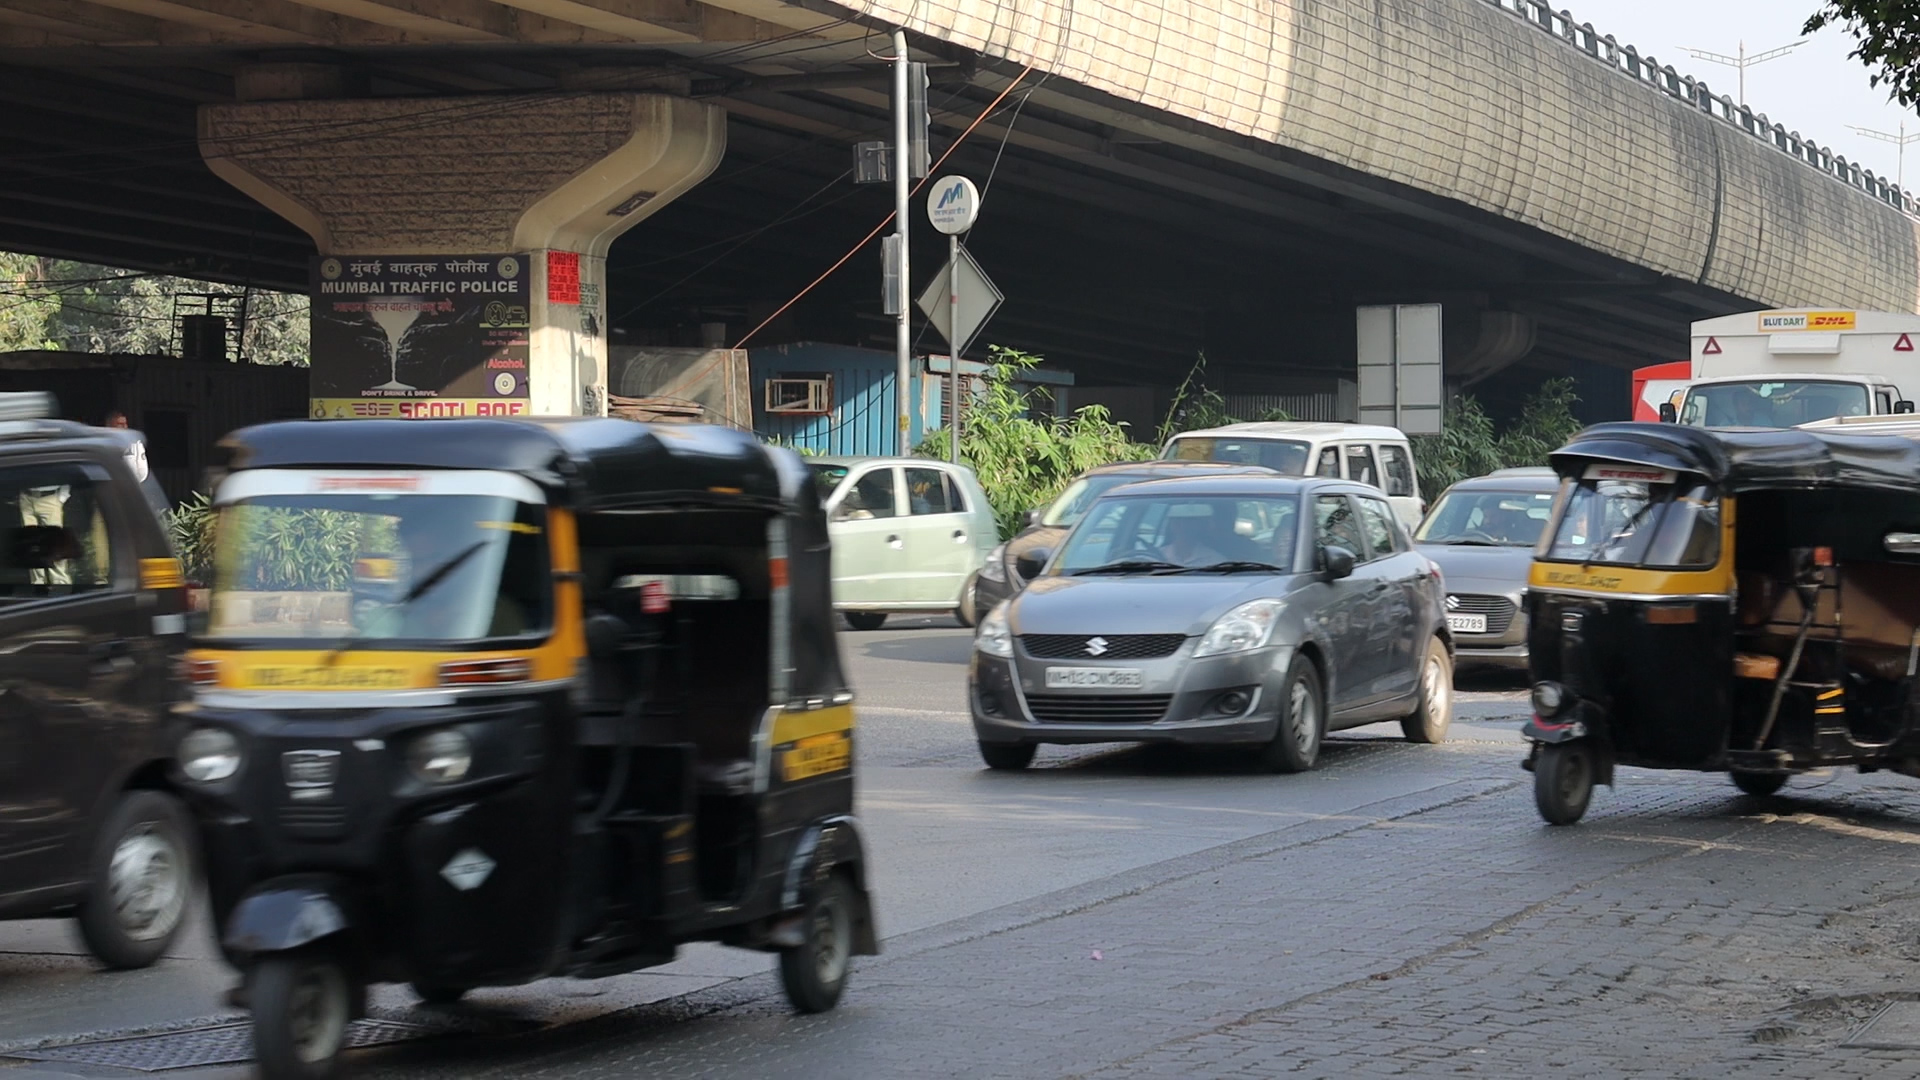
(907, 534)
(1377, 456)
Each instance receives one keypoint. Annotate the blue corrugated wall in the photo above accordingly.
(862, 420)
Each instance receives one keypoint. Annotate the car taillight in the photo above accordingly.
(485, 672)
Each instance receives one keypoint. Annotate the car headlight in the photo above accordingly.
(995, 568)
(209, 755)
(441, 757)
(995, 636)
(1248, 626)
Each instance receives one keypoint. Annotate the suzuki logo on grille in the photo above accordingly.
(1096, 646)
(309, 769)
(1453, 603)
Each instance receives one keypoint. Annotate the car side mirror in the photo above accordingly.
(1667, 413)
(1029, 563)
(1903, 407)
(1336, 561)
(1033, 516)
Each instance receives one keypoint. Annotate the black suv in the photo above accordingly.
(92, 625)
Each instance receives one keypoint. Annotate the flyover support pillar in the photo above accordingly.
(405, 198)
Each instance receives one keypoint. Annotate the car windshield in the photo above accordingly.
(826, 476)
(1498, 518)
(1281, 455)
(1073, 502)
(1637, 523)
(1173, 533)
(1772, 404)
(403, 569)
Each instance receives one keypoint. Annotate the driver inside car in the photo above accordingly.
(1192, 538)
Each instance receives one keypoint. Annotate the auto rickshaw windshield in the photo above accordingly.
(398, 568)
(1632, 523)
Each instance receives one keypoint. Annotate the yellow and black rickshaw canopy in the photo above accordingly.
(1751, 459)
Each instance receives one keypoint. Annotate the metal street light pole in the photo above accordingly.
(1742, 61)
(903, 342)
(1901, 140)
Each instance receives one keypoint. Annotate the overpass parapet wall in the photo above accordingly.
(1502, 105)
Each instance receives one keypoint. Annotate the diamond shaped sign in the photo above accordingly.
(978, 301)
(467, 870)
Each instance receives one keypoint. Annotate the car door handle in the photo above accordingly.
(959, 536)
(1378, 588)
(893, 540)
(110, 656)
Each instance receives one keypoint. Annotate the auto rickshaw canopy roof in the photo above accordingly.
(1752, 459)
(590, 463)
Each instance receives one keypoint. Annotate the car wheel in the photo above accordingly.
(140, 881)
(435, 994)
(1430, 719)
(1303, 720)
(301, 1008)
(966, 613)
(1007, 757)
(1563, 782)
(815, 972)
(1759, 784)
(866, 620)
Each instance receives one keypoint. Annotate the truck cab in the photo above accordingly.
(1785, 368)
(1787, 400)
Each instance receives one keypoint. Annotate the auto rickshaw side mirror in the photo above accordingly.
(1336, 561)
(1667, 413)
(605, 633)
(1903, 543)
(1029, 563)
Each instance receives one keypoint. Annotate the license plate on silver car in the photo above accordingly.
(1105, 678)
(1467, 624)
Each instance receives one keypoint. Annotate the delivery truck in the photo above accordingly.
(1787, 368)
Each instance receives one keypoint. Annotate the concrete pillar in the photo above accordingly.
(552, 179)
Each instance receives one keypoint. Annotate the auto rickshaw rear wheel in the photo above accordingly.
(866, 620)
(302, 1004)
(814, 972)
(140, 881)
(1759, 784)
(1563, 782)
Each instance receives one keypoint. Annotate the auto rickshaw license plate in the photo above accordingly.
(316, 677)
(817, 756)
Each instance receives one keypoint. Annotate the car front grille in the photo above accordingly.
(1498, 609)
(1111, 647)
(1098, 709)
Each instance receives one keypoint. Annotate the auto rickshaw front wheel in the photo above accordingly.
(814, 972)
(1759, 784)
(302, 1003)
(1563, 781)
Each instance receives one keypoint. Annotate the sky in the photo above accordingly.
(1814, 89)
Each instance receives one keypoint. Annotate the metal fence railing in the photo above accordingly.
(1645, 69)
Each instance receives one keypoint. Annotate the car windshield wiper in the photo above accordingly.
(1230, 566)
(1130, 566)
(439, 574)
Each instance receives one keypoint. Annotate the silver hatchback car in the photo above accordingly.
(1249, 610)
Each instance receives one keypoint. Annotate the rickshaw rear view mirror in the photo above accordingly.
(1029, 563)
(1903, 543)
(1667, 413)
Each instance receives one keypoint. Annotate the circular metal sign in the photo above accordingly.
(953, 204)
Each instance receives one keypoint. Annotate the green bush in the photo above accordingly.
(1023, 461)
(1471, 447)
(286, 549)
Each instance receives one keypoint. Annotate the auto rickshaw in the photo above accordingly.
(1745, 601)
(479, 702)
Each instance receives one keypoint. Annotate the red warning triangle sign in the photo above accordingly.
(1905, 344)
(1712, 349)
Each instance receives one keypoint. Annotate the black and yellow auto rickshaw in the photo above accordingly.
(479, 702)
(1745, 601)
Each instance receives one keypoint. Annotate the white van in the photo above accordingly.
(1380, 456)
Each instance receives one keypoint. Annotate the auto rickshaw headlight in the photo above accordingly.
(209, 755)
(441, 757)
(1548, 699)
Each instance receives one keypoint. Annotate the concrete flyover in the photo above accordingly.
(1165, 178)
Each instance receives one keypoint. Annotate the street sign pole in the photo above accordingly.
(902, 341)
(952, 207)
(953, 376)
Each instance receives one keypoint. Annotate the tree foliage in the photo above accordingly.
(1470, 446)
(1886, 36)
(56, 304)
(1024, 460)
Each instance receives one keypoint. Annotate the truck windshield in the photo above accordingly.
(407, 570)
(1631, 523)
(1785, 403)
(1287, 456)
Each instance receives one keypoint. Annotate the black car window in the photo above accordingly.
(1337, 527)
(956, 498)
(1377, 520)
(56, 536)
(870, 497)
(1399, 470)
(927, 492)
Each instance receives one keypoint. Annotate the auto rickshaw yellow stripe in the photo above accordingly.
(794, 726)
(1601, 580)
(162, 574)
(1833, 693)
